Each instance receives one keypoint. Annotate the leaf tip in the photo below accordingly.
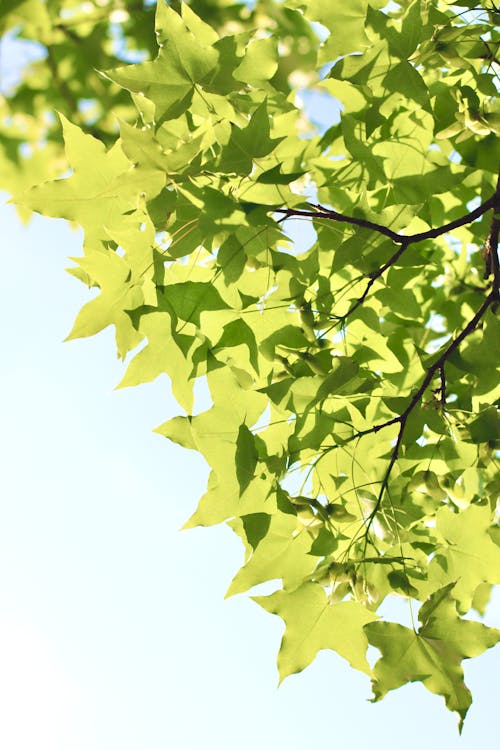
(191, 523)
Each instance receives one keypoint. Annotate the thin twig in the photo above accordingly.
(490, 252)
(325, 213)
(320, 212)
(376, 275)
(437, 366)
(442, 387)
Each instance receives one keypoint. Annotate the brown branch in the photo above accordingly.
(402, 419)
(490, 55)
(442, 387)
(490, 251)
(462, 221)
(325, 213)
(374, 276)
(437, 366)
(405, 240)
(320, 212)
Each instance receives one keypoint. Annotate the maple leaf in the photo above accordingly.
(103, 186)
(433, 654)
(282, 553)
(184, 62)
(162, 354)
(120, 292)
(313, 623)
(468, 555)
(248, 143)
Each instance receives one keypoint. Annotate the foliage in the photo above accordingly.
(352, 434)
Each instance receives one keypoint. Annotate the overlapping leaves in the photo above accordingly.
(352, 432)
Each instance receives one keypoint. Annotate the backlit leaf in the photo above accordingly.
(313, 623)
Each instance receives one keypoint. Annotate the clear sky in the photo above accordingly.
(114, 632)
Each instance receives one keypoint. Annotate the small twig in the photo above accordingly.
(462, 221)
(490, 250)
(320, 212)
(442, 388)
(325, 213)
(376, 275)
(405, 240)
(492, 260)
(491, 55)
(403, 418)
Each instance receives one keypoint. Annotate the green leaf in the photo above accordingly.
(183, 63)
(235, 333)
(335, 292)
(282, 553)
(406, 42)
(467, 555)
(433, 655)
(178, 430)
(346, 24)
(245, 458)
(223, 499)
(404, 79)
(260, 62)
(189, 299)
(248, 143)
(162, 354)
(313, 624)
(256, 526)
(120, 292)
(102, 187)
(485, 428)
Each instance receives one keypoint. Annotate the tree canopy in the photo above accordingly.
(352, 432)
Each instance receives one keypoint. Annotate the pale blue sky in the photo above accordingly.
(113, 628)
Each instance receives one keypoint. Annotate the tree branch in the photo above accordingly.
(490, 251)
(462, 221)
(324, 213)
(320, 212)
(376, 275)
(437, 366)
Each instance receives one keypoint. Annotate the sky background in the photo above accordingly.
(114, 631)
